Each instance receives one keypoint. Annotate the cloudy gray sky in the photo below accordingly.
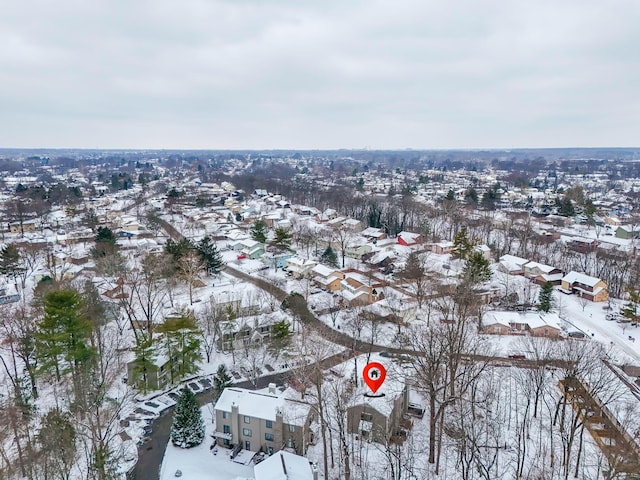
(319, 73)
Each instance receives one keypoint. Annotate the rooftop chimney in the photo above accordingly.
(272, 388)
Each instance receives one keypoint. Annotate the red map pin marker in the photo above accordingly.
(374, 374)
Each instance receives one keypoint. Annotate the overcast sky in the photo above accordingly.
(319, 73)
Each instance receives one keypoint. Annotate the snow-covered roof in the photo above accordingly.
(264, 405)
(540, 266)
(575, 277)
(323, 271)
(283, 466)
(409, 235)
(533, 319)
(513, 260)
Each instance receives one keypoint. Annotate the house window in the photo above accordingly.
(270, 450)
(269, 424)
(292, 428)
(247, 419)
(226, 429)
(225, 415)
(268, 437)
(246, 432)
(367, 417)
(247, 446)
(290, 442)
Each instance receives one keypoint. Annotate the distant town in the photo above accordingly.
(210, 314)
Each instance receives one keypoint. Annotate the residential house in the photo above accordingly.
(249, 248)
(484, 250)
(9, 294)
(241, 333)
(541, 273)
(262, 420)
(327, 278)
(373, 234)
(300, 267)
(582, 245)
(591, 288)
(352, 225)
(376, 417)
(285, 465)
(156, 377)
(358, 250)
(537, 324)
(26, 226)
(242, 303)
(628, 232)
(441, 248)
(276, 259)
(512, 265)
(357, 288)
(409, 239)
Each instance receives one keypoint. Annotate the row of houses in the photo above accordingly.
(586, 286)
(270, 420)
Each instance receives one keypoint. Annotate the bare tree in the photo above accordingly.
(190, 267)
(208, 321)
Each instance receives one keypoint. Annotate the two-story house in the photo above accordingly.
(327, 278)
(591, 288)
(262, 420)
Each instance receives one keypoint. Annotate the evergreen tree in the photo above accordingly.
(178, 249)
(143, 362)
(280, 336)
(565, 207)
(105, 243)
(105, 235)
(630, 309)
(471, 196)
(10, 260)
(259, 231)
(210, 255)
(476, 269)
(187, 429)
(181, 343)
(62, 338)
(221, 379)
(282, 239)
(545, 298)
(462, 245)
(329, 257)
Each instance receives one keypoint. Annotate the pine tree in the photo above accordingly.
(476, 269)
(282, 239)
(181, 343)
(630, 309)
(259, 231)
(210, 255)
(329, 257)
(187, 429)
(62, 339)
(10, 260)
(462, 245)
(221, 379)
(545, 298)
(105, 243)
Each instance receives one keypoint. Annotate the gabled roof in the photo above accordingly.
(283, 466)
(540, 266)
(575, 277)
(263, 405)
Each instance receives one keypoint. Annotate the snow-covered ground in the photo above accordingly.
(199, 463)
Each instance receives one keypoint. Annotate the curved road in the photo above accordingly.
(150, 453)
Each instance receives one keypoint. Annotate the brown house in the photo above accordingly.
(588, 287)
(264, 421)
